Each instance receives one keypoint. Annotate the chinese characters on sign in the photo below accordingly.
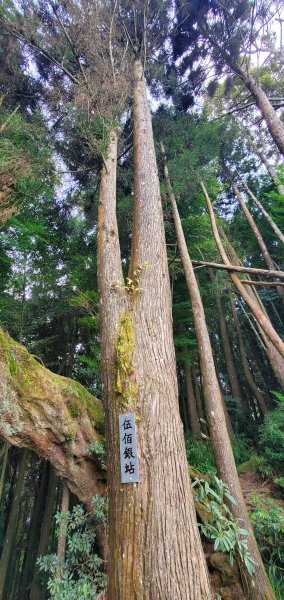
(128, 448)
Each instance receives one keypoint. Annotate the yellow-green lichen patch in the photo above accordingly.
(125, 386)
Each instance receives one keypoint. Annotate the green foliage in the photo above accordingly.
(80, 576)
(99, 450)
(200, 454)
(268, 522)
(219, 525)
(272, 442)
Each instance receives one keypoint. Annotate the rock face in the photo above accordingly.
(224, 577)
(52, 415)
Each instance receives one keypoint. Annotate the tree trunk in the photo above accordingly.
(259, 238)
(36, 588)
(155, 549)
(191, 402)
(274, 124)
(276, 360)
(37, 514)
(199, 403)
(229, 358)
(270, 169)
(13, 520)
(62, 535)
(248, 375)
(257, 312)
(265, 214)
(259, 585)
(36, 412)
(3, 468)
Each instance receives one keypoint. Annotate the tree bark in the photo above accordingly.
(13, 520)
(265, 213)
(238, 268)
(257, 312)
(259, 238)
(36, 410)
(155, 548)
(259, 585)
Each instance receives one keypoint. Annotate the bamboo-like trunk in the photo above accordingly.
(154, 544)
(257, 312)
(259, 238)
(265, 213)
(259, 585)
(13, 519)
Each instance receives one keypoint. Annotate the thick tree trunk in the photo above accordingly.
(259, 315)
(155, 548)
(52, 416)
(265, 213)
(13, 520)
(259, 238)
(274, 123)
(191, 401)
(259, 585)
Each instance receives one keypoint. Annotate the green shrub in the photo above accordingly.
(271, 463)
(200, 454)
(268, 523)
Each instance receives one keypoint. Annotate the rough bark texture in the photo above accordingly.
(259, 238)
(265, 213)
(155, 548)
(259, 585)
(51, 415)
(259, 315)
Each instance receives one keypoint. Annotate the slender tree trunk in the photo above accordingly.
(13, 519)
(259, 585)
(270, 169)
(36, 588)
(3, 468)
(62, 536)
(34, 531)
(257, 312)
(230, 363)
(265, 213)
(276, 360)
(274, 123)
(155, 549)
(248, 375)
(259, 238)
(191, 402)
(199, 404)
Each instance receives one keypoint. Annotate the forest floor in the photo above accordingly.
(253, 484)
